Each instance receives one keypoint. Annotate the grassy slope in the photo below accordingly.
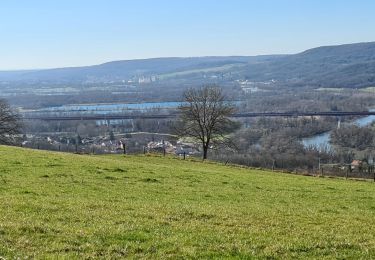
(223, 68)
(85, 206)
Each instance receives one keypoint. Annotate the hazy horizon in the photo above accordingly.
(45, 34)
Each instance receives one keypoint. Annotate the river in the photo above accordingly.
(322, 141)
(109, 108)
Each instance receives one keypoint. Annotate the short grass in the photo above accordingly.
(340, 90)
(55, 205)
(223, 68)
(369, 89)
(331, 89)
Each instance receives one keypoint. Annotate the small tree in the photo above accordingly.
(112, 136)
(205, 117)
(79, 139)
(9, 123)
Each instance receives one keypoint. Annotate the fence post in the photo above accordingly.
(347, 173)
(163, 148)
(76, 148)
(38, 146)
(319, 163)
(124, 147)
(184, 155)
(144, 149)
(59, 148)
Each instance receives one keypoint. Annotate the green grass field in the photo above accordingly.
(369, 89)
(74, 206)
(223, 68)
(338, 90)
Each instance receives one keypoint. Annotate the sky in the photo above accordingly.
(60, 33)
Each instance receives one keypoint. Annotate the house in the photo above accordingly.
(159, 146)
(362, 166)
(356, 164)
(187, 148)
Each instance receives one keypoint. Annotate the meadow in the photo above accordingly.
(57, 205)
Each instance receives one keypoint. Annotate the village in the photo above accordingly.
(130, 143)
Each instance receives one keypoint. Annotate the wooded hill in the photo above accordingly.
(350, 66)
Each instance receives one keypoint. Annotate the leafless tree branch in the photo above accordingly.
(205, 117)
(9, 123)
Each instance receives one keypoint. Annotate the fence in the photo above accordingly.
(363, 171)
(97, 149)
(360, 171)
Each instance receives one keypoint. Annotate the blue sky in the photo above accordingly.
(58, 33)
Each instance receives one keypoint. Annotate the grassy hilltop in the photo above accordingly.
(74, 206)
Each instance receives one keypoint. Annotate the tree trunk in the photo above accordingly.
(205, 150)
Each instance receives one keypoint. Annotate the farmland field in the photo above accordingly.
(79, 206)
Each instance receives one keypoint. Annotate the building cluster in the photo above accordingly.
(106, 144)
(168, 147)
(147, 79)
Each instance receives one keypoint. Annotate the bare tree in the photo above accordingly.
(205, 117)
(9, 123)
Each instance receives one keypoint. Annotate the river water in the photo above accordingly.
(110, 108)
(103, 109)
(322, 141)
